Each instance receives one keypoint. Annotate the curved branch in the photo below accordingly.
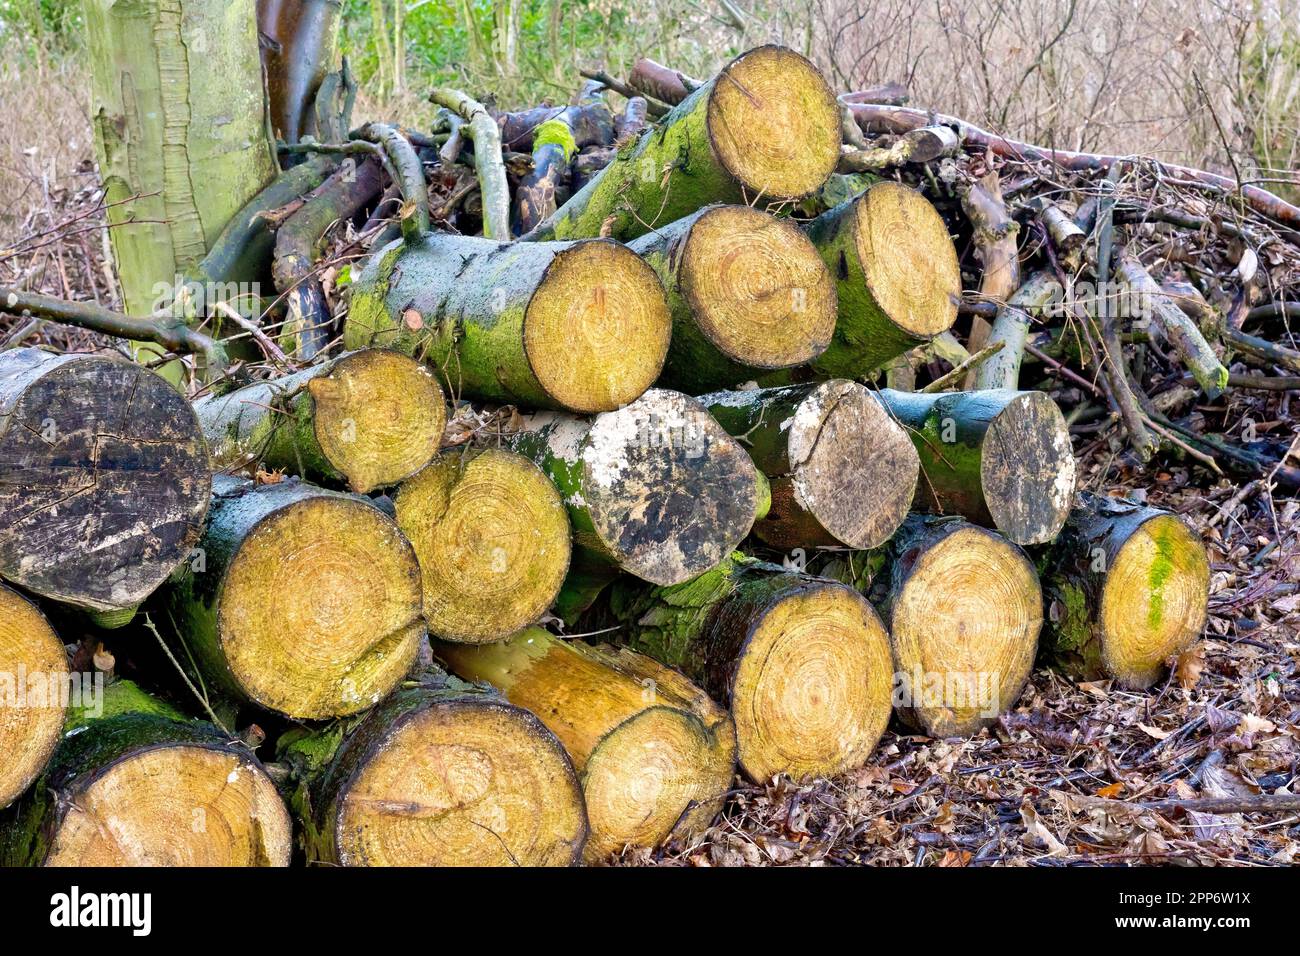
(485, 133)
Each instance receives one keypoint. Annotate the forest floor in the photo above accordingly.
(1059, 781)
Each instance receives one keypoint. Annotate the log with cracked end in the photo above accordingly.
(655, 756)
(842, 471)
(370, 419)
(442, 773)
(31, 716)
(303, 601)
(577, 325)
(748, 293)
(657, 488)
(802, 662)
(1000, 458)
(963, 608)
(493, 541)
(897, 275)
(103, 479)
(1127, 589)
(141, 785)
(764, 129)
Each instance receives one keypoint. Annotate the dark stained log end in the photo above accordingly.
(1027, 469)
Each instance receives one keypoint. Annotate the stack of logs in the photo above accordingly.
(698, 545)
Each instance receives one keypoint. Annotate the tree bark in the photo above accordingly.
(493, 541)
(33, 678)
(103, 479)
(580, 325)
(842, 471)
(144, 786)
(300, 42)
(442, 773)
(303, 601)
(802, 662)
(748, 293)
(656, 488)
(367, 419)
(766, 128)
(655, 756)
(1127, 589)
(999, 458)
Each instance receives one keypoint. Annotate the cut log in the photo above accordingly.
(964, 609)
(747, 291)
(443, 773)
(999, 458)
(33, 693)
(493, 541)
(766, 128)
(655, 756)
(580, 325)
(1127, 589)
(842, 471)
(103, 479)
(656, 488)
(802, 662)
(303, 601)
(143, 786)
(898, 278)
(370, 418)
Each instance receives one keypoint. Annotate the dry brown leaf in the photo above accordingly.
(1187, 671)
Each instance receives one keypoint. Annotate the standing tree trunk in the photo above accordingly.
(656, 488)
(442, 773)
(1127, 589)
(842, 471)
(578, 325)
(180, 129)
(300, 41)
(1000, 458)
(103, 479)
(765, 129)
(369, 419)
(964, 609)
(654, 754)
(303, 601)
(802, 662)
(748, 293)
(144, 786)
(33, 679)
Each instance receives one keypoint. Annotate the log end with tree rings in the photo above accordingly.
(140, 790)
(33, 700)
(1027, 469)
(457, 780)
(813, 681)
(757, 288)
(597, 328)
(669, 492)
(492, 537)
(853, 470)
(774, 124)
(104, 478)
(908, 259)
(378, 417)
(965, 610)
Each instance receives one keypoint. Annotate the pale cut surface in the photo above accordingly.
(178, 805)
(1027, 469)
(965, 631)
(774, 124)
(1155, 600)
(493, 543)
(31, 720)
(464, 785)
(320, 610)
(908, 258)
(854, 467)
(596, 330)
(379, 417)
(811, 695)
(758, 288)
